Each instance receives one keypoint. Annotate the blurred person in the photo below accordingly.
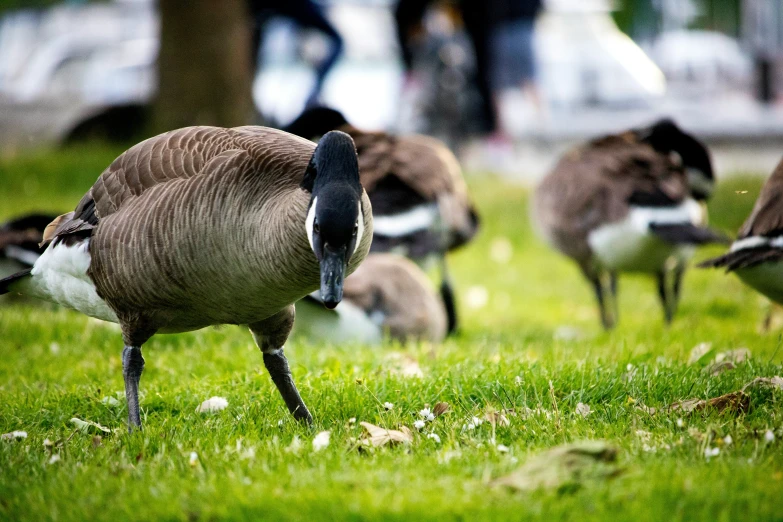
(410, 33)
(307, 15)
(512, 59)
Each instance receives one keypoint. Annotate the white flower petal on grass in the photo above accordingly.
(583, 409)
(212, 404)
(54, 458)
(14, 435)
(193, 459)
(427, 415)
(680, 423)
(769, 437)
(727, 440)
(502, 448)
(434, 436)
(388, 405)
(321, 440)
(419, 424)
(711, 452)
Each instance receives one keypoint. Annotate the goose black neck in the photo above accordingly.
(316, 122)
(334, 162)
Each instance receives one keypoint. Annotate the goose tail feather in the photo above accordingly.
(7, 283)
(688, 234)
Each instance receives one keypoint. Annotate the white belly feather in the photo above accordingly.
(630, 245)
(60, 275)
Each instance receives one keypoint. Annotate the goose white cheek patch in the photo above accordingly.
(360, 231)
(309, 223)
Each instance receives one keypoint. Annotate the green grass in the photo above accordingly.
(538, 325)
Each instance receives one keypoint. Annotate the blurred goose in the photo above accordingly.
(757, 254)
(387, 295)
(204, 226)
(421, 207)
(629, 203)
(19, 242)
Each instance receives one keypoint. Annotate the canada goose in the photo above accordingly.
(420, 201)
(629, 203)
(757, 254)
(19, 242)
(387, 295)
(204, 226)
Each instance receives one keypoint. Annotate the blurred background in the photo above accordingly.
(509, 85)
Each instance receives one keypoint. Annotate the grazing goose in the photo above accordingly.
(387, 295)
(629, 203)
(204, 226)
(757, 254)
(421, 207)
(19, 242)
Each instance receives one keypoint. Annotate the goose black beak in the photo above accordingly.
(332, 275)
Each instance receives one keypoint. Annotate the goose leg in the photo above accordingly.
(613, 288)
(449, 301)
(132, 367)
(594, 276)
(679, 272)
(270, 335)
(666, 295)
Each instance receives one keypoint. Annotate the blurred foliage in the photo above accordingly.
(640, 18)
(8, 5)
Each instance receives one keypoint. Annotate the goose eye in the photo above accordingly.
(356, 228)
(317, 228)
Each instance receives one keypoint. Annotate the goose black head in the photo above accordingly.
(666, 137)
(315, 122)
(335, 222)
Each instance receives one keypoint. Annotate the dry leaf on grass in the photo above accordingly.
(381, 436)
(404, 365)
(583, 409)
(497, 418)
(699, 352)
(564, 467)
(772, 382)
(89, 426)
(727, 361)
(717, 368)
(734, 401)
(440, 408)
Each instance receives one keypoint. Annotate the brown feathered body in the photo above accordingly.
(201, 226)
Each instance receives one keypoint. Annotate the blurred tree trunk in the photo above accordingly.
(204, 65)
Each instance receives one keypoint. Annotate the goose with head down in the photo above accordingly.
(421, 206)
(204, 226)
(629, 203)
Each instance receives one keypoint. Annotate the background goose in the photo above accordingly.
(757, 254)
(19, 242)
(420, 201)
(203, 226)
(629, 203)
(387, 295)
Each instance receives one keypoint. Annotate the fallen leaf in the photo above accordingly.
(740, 355)
(404, 365)
(497, 418)
(583, 409)
(717, 368)
(440, 408)
(96, 441)
(772, 382)
(646, 409)
(212, 404)
(734, 401)
(89, 426)
(700, 352)
(564, 467)
(382, 436)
